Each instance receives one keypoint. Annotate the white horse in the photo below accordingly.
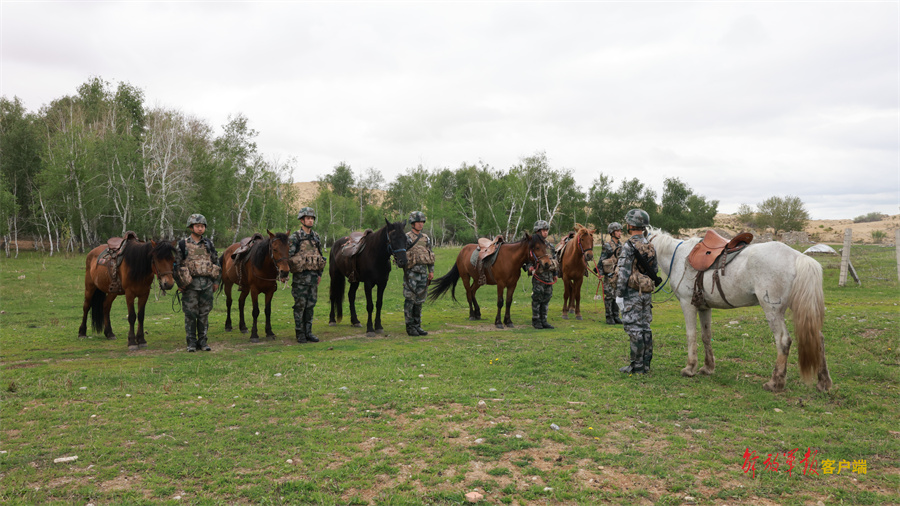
(771, 275)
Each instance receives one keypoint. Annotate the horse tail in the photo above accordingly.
(807, 303)
(97, 301)
(441, 284)
(336, 291)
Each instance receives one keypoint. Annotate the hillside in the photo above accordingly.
(827, 231)
(307, 191)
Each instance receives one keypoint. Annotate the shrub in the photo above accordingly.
(867, 218)
(878, 235)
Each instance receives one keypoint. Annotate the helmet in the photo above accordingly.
(306, 211)
(613, 227)
(416, 216)
(541, 225)
(195, 219)
(637, 218)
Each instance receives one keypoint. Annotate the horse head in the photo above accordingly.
(396, 241)
(163, 263)
(585, 238)
(278, 250)
(539, 249)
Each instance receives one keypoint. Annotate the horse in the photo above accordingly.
(371, 265)
(573, 262)
(504, 273)
(140, 261)
(267, 263)
(771, 275)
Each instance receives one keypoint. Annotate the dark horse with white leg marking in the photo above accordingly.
(267, 263)
(504, 273)
(371, 265)
(140, 262)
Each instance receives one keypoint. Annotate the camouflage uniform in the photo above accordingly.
(637, 313)
(542, 283)
(610, 249)
(305, 283)
(415, 276)
(197, 296)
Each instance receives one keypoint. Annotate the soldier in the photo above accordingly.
(307, 263)
(542, 281)
(198, 276)
(637, 277)
(609, 259)
(419, 271)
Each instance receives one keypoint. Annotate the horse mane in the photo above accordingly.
(139, 257)
(260, 251)
(380, 236)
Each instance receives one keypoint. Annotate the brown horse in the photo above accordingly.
(504, 273)
(267, 263)
(140, 262)
(573, 262)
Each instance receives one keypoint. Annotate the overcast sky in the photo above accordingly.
(741, 101)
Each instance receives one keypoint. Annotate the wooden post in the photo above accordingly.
(845, 256)
(897, 249)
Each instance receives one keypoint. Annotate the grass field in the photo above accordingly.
(425, 420)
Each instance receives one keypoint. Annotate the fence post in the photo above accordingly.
(845, 256)
(897, 249)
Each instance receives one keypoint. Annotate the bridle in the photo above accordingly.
(393, 252)
(671, 262)
(275, 262)
(159, 274)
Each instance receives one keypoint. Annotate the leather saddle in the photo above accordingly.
(112, 258)
(246, 244)
(563, 243)
(484, 255)
(116, 244)
(713, 245)
(356, 244)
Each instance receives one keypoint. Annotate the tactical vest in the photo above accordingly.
(640, 280)
(198, 261)
(610, 264)
(307, 257)
(419, 253)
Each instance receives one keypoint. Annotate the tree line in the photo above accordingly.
(99, 162)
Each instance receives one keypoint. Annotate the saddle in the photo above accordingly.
(240, 255)
(111, 258)
(715, 252)
(484, 255)
(353, 247)
(563, 243)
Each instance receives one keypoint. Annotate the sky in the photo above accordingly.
(741, 101)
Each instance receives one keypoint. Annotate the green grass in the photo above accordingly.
(397, 420)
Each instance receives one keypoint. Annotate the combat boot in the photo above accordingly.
(307, 320)
(544, 323)
(411, 331)
(536, 323)
(417, 315)
(301, 335)
(637, 357)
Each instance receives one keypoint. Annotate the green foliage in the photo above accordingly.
(868, 218)
(878, 235)
(782, 214)
(341, 180)
(680, 208)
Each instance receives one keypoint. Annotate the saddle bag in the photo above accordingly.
(640, 282)
(609, 265)
(308, 262)
(182, 276)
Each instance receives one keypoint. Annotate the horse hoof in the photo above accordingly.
(357, 325)
(379, 331)
(228, 329)
(771, 387)
(142, 345)
(509, 325)
(271, 336)
(332, 324)
(687, 372)
(254, 339)
(82, 336)
(370, 334)
(499, 325)
(132, 347)
(111, 338)
(706, 372)
(579, 317)
(565, 316)
(474, 318)
(571, 310)
(244, 331)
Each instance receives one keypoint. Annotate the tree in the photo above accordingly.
(341, 180)
(680, 208)
(783, 214)
(368, 183)
(20, 162)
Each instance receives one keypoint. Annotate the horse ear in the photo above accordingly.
(270, 233)
(152, 243)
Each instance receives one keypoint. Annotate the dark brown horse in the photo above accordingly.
(573, 262)
(267, 263)
(140, 262)
(504, 273)
(371, 265)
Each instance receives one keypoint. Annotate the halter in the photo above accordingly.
(671, 262)
(275, 262)
(393, 252)
(587, 265)
(159, 274)
(537, 260)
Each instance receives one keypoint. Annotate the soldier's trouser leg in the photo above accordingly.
(409, 307)
(637, 317)
(417, 313)
(189, 306)
(204, 306)
(648, 348)
(536, 311)
(312, 297)
(304, 289)
(636, 342)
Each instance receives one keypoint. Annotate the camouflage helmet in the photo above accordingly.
(637, 218)
(416, 216)
(541, 225)
(195, 219)
(613, 227)
(306, 211)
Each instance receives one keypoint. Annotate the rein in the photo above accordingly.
(671, 263)
(272, 256)
(538, 261)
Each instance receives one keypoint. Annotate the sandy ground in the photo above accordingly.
(827, 231)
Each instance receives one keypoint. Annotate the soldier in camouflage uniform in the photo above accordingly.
(610, 252)
(542, 280)
(419, 271)
(307, 263)
(634, 290)
(199, 275)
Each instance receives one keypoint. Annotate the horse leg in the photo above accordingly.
(242, 300)
(690, 327)
(709, 361)
(370, 306)
(254, 337)
(268, 310)
(132, 317)
(88, 295)
(507, 319)
(227, 306)
(775, 316)
(824, 383)
(351, 300)
(378, 301)
(142, 304)
(107, 326)
(576, 294)
(567, 293)
(499, 307)
(474, 313)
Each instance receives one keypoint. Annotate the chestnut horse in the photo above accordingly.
(504, 273)
(573, 262)
(267, 263)
(140, 262)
